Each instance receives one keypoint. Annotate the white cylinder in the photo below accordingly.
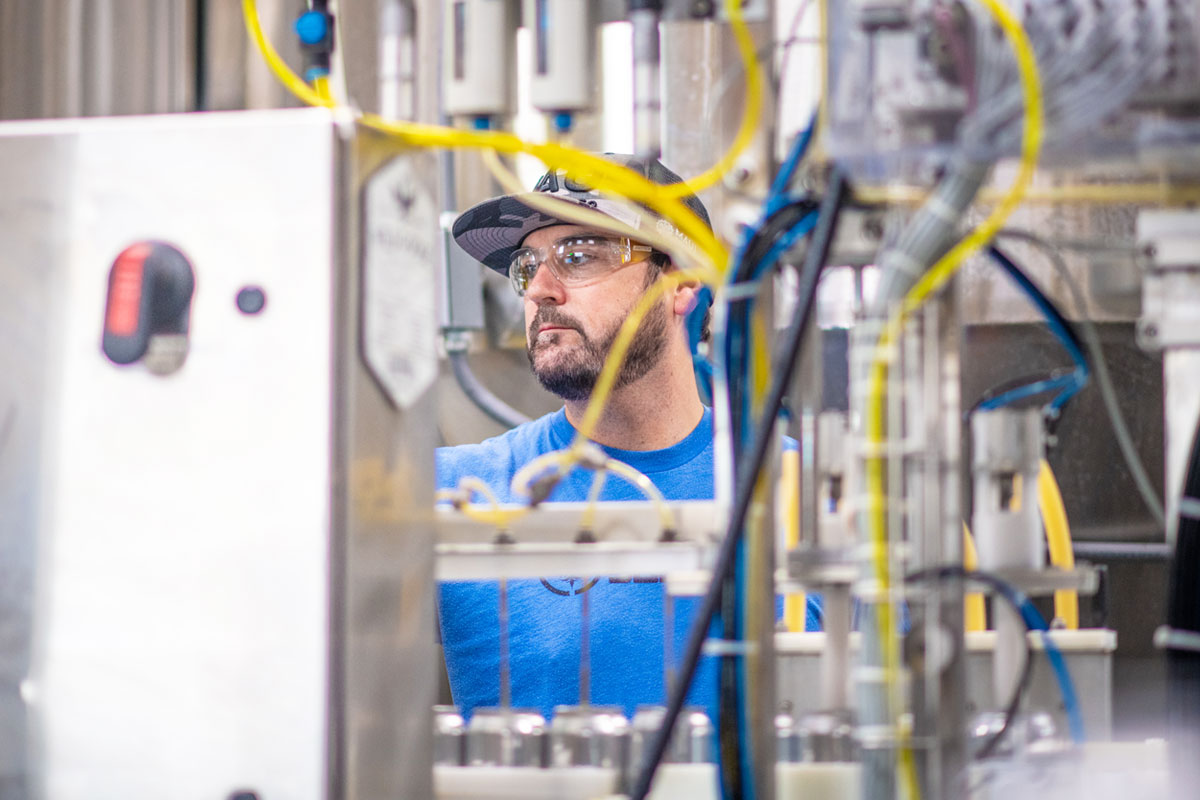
(478, 57)
(562, 53)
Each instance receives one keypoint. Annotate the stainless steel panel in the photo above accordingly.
(227, 596)
(26, 297)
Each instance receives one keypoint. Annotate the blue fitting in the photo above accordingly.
(312, 27)
(312, 73)
(563, 120)
(482, 123)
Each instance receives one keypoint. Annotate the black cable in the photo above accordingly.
(1044, 303)
(1183, 616)
(814, 262)
(480, 395)
(731, 702)
(1009, 593)
(755, 251)
(729, 707)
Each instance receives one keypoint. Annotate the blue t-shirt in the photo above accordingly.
(627, 612)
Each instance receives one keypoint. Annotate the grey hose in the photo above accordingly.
(1104, 380)
(482, 396)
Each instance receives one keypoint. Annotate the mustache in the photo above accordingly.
(549, 315)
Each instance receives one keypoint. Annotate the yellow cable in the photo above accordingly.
(682, 251)
(930, 282)
(751, 112)
(323, 89)
(496, 516)
(558, 462)
(1058, 537)
(588, 521)
(277, 65)
(616, 354)
(628, 330)
(974, 611)
(794, 605)
(593, 170)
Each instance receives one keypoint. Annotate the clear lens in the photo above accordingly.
(584, 258)
(521, 268)
(575, 261)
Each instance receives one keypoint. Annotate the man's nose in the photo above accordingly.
(545, 288)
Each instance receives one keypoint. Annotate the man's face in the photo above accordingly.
(570, 329)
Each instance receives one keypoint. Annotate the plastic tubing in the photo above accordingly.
(929, 283)
(1058, 538)
(588, 521)
(496, 516)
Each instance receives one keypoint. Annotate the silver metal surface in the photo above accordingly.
(1169, 321)
(589, 736)
(933, 478)
(63, 58)
(692, 742)
(229, 575)
(505, 737)
(1007, 450)
(449, 736)
(1088, 655)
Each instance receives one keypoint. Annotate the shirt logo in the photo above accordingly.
(568, 587)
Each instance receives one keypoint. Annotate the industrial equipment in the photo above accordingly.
(951, 549)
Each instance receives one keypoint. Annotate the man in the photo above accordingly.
(579, 284)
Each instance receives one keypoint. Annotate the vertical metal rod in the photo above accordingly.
(835, 658)
(505, 666)
(585, 647)
(669, 671)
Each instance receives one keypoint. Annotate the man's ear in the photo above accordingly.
(684, 297)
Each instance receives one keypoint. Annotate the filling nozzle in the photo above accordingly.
(644, 16)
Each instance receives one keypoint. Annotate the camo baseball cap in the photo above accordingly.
(492, 230)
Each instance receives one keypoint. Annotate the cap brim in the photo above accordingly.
(490, 231)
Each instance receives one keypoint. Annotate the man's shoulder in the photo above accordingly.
(496, 459)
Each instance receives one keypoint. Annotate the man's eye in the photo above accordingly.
(577, 257)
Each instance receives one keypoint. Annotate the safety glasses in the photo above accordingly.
(574, 260)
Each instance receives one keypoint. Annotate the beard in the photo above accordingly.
(571, 373)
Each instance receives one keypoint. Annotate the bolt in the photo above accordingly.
(1150, 330)
(702, 8)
